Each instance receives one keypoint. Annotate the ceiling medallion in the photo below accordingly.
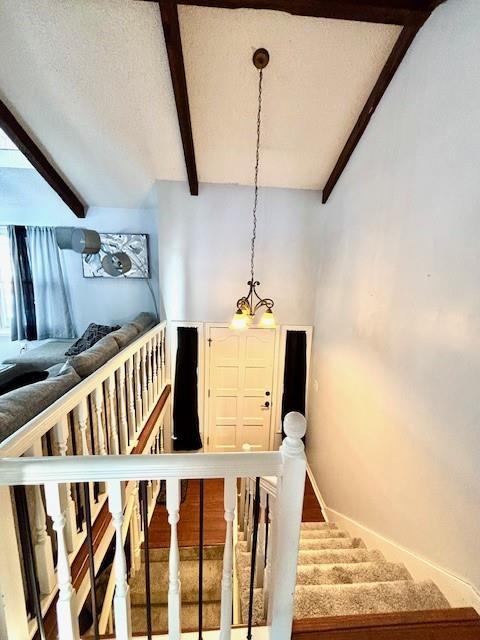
(248, 305)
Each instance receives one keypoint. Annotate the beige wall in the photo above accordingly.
(394, 434)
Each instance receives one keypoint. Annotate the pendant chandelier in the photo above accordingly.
(248, 305)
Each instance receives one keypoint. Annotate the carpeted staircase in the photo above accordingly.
(338, 576)
(212, 577)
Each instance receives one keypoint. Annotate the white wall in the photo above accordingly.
(394, 436)
(205, 250)
(102, 300)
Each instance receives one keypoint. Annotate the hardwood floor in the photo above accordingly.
(189, 524)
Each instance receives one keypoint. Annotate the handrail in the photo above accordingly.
(21, 440)
(71, 469)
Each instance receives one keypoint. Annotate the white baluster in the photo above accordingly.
(229, 497)
(143, 354)
(138, 391)
(260, 557)
(131, 399)
(13, 613)
(67, 620)
(41, 539)
(164, 357)
(98, 407)
(61, 433)
(81, 414)
(149, 375)
(121, 600)
(174, 586)
(267, 591)
(251, 498)
(112, 414)
(288, 519)
(136, 528)
(122, 404)
(155, 367)
(241, 502)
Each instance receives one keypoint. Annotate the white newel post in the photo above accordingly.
(13, 613)
(61, 439)
(260, 557)
(121, 600)
(288, 518)
(229, 497)
(131, 399)
(174, 586)
(67, 619)
(112, 415)
(41, 540)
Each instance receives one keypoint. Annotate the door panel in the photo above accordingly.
(240, 384)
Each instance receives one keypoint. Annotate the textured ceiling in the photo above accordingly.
(90, 79)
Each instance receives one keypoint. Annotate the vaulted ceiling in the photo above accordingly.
(90, 81)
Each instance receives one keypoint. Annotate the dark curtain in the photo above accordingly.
(186, 429)
(24, 322)
(295, 375)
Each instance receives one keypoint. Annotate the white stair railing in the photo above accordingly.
(101, 416)
(287, 466)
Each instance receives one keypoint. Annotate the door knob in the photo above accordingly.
(266, 405)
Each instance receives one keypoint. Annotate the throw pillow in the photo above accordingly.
(93, 333)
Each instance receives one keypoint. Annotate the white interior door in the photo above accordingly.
(240, 388)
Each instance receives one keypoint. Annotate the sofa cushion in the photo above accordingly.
(126, 334)
(88, 361)
(42, 357)
(92, 334)
(21, 405)
(144, 321)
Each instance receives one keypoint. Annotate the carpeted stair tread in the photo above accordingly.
(351, 573)
(212, 569)
(211, 617)
(214, 552)
(322, 543)
(258, 607)
(322, 533)
(318, 525)
(312, 601)
(331, 556)
(325, 556)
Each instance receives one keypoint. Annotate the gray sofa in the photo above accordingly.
(19, 406)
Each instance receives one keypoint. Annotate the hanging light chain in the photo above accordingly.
(257, 161)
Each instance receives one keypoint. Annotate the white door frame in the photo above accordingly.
(206, 420)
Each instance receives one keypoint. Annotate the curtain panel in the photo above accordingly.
(41, 300)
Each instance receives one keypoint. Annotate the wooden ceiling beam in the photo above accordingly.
(400, 12)
(173, 41)
(396, 56)
(36, 157)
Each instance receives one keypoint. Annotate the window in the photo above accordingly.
(5, 282)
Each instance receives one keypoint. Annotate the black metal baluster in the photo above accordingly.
(26, 543)
(256, 515)
(91, 559)
(146, 555)
(200, 562)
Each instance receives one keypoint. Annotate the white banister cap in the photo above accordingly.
(294, 425)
